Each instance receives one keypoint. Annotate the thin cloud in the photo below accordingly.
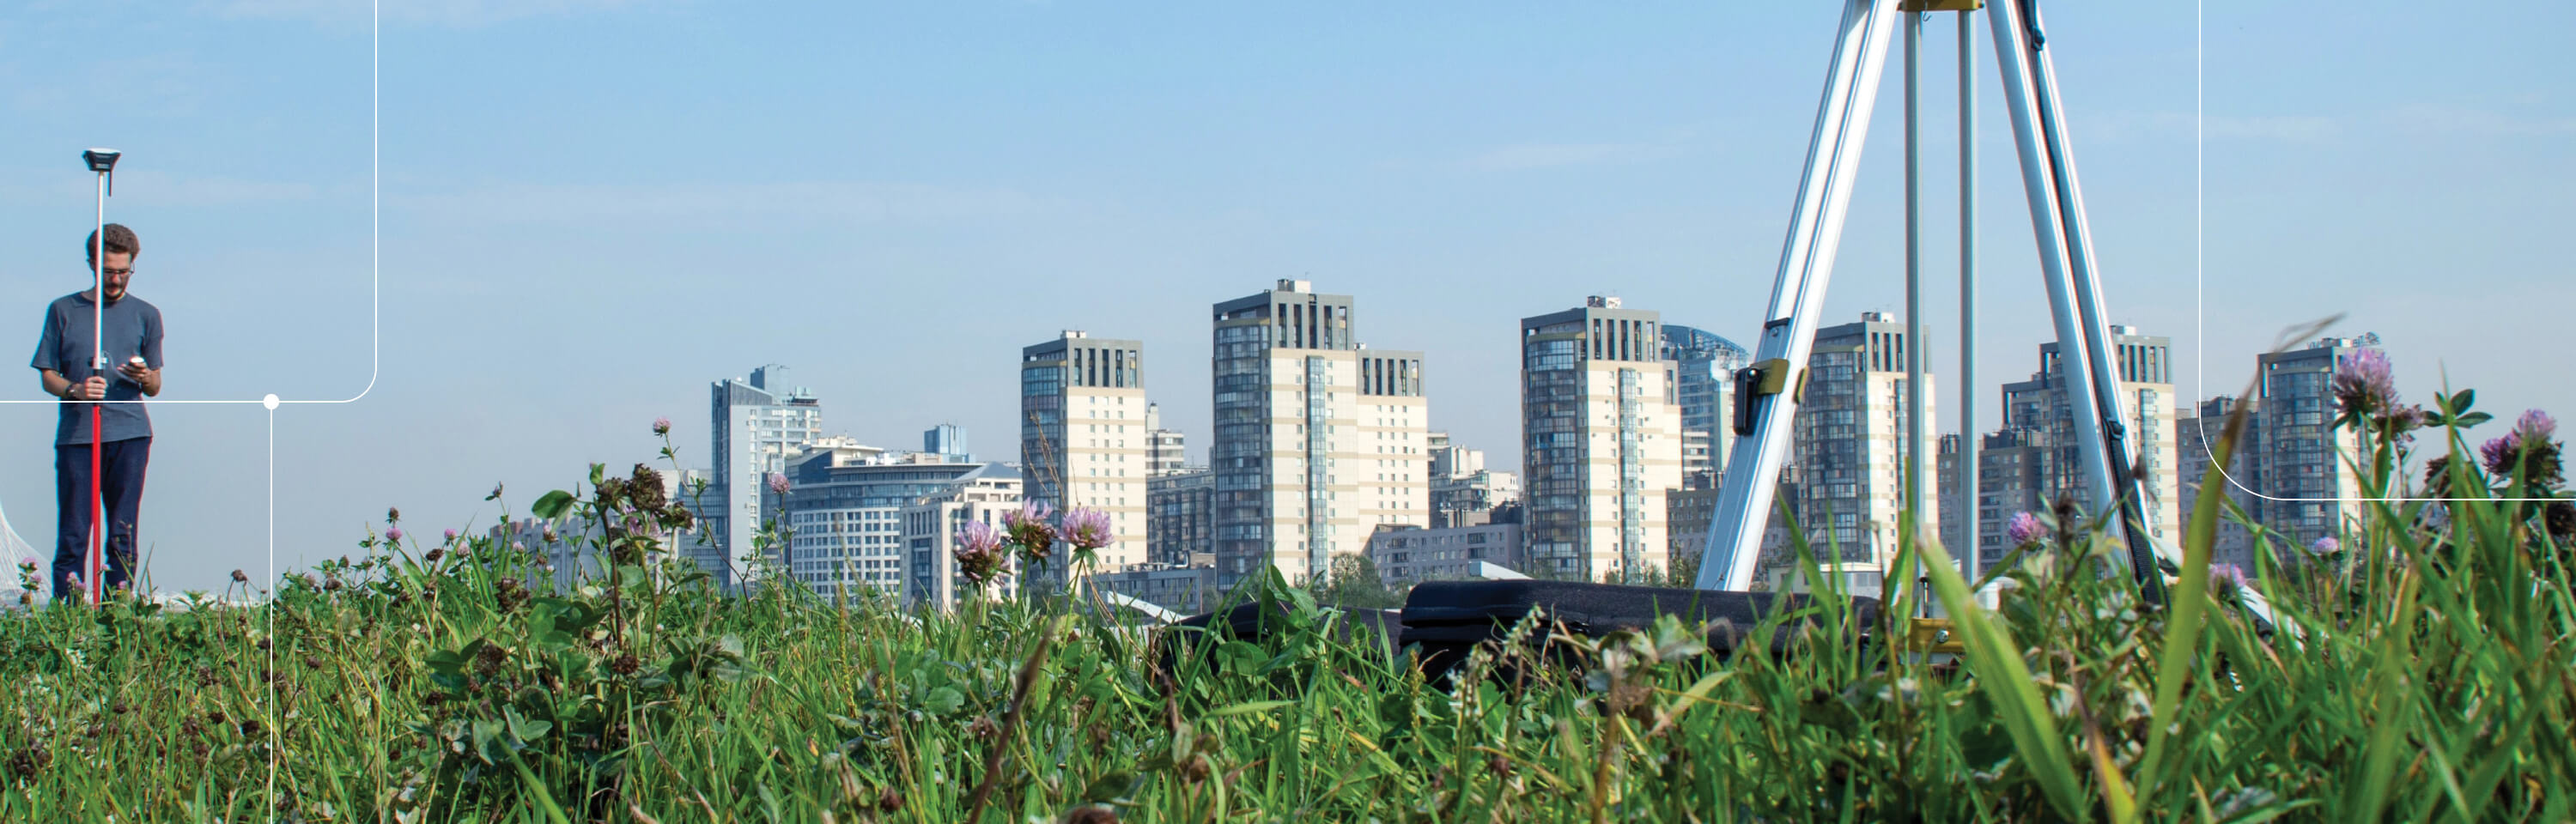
(1524, 156)
(452, 13)
(159, 188)
(2452, 120)
(800, 202)
(2182, 126)
(171, 84)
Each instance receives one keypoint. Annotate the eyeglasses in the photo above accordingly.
(125, 271)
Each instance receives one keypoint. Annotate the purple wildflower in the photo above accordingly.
(1087, 529)
(2326, 545)
(979, 553)
(2527, 447)
(393, 534)
(2404, 419)
(2498, 453)
(2535, 426)
(2363, 382)
(778, 482)
(2225, 578)
(661, 426)
(2024, 528)
(1028, 528)
(451, 536)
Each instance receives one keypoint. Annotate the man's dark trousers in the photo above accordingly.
(120, 486)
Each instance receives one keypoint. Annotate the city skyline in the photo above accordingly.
(559, 269)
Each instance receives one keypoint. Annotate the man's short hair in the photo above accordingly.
(120, 240)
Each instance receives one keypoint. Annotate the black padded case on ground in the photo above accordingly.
(1250, 622)
(1449, 618)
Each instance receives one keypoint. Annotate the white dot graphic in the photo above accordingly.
(270, 401)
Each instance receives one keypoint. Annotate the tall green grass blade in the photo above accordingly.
(2007, 682)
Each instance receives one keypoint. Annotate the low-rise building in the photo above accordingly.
(1406, 555)
(1187, 589)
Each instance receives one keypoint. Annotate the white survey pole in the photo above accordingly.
(1915, 459)
(2090, 380)
(1797, 295)
(1971, 492)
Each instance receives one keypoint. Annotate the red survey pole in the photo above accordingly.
(97, 505)
(102, 161)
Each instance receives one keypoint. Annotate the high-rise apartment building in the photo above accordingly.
(1849, 446)
(1946, 480)
(2304, 468)
(1687, 515)
(1318, 439)
(1602, 442)
(755, 428)
(929, 527)
(946, 439)
(1084, 437)
(1702, 368)
(1165, 450)
(2011, 479)
(2196, 436)
(1464, 492)
(1180, 510)
(2039, 405)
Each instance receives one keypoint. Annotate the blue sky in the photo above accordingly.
(591, 209)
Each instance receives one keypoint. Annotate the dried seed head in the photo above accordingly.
(644, 488)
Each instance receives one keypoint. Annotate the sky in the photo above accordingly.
(474, 242)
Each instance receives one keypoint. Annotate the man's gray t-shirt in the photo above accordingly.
(133, 329)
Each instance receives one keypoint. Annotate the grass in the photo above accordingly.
(2424, 673)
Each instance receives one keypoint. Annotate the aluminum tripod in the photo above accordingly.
(1767, 394)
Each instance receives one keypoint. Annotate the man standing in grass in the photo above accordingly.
(133, 344)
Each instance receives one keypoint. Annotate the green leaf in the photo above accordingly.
(487, 733)
(552, 505)
(944, 701)
(1305, 601)
(524, 730)
(2460, 402)
(1108, 788)
(2473, 419)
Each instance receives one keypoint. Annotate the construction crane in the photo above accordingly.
(1768, 393)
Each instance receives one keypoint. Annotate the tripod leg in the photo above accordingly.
(2090, 380)
(1806, 264)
